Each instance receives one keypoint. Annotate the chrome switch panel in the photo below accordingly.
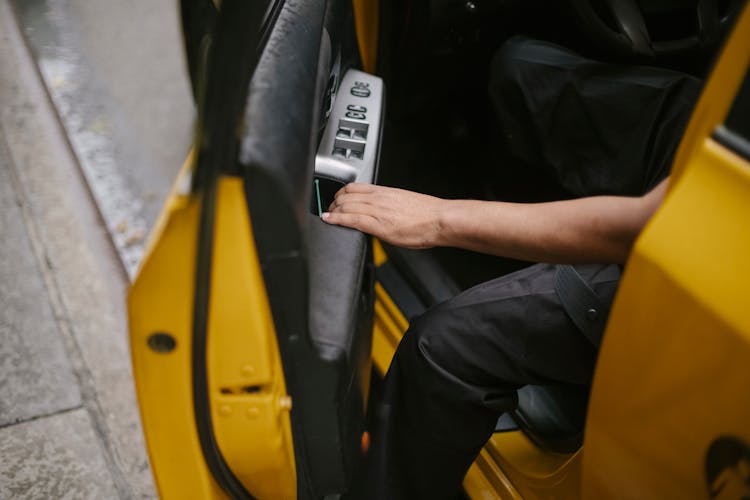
(350, 146)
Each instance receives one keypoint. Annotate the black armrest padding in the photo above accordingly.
(336, 259)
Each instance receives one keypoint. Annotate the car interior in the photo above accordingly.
(441, 137)
(314, 122)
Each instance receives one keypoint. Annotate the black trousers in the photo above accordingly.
(591, 128)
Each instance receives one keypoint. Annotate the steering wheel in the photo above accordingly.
(630, 35)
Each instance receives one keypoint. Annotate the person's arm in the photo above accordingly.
(594, 229)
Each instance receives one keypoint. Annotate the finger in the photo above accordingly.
(364, 223)
(359, 187)
(352, 198)
(350, 207)
(354, 187)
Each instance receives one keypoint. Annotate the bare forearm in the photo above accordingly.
(583, 230)
(595, 229)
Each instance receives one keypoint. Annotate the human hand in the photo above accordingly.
(396, 216)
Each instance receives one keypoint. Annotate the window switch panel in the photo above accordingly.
(349, 146)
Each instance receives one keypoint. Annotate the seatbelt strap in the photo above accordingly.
(581, 304)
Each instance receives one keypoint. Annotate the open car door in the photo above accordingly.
(250, 318)
(669, 409)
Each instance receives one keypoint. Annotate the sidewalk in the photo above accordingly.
(69, 425)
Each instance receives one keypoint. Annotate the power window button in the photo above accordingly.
(360, 92)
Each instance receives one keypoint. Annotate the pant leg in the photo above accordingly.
(458, 368)
(593, 128)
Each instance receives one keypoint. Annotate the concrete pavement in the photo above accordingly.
(116, 75)
(69, 424)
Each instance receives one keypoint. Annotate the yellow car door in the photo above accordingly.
(250, 318)
(669, 409)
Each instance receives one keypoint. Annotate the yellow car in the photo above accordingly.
(259, 333)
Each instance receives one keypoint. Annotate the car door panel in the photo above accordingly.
(268, 398)
(671, 375)
(304, 262)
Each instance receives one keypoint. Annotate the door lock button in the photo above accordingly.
(358, 109)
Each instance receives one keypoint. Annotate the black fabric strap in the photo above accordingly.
(581, 304)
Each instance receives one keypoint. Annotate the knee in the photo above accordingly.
(522, 59)
(510, 69)
(506, 63)
(435, 340)
(513, 49)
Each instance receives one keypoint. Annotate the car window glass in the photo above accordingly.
(738, 120)
(735, 132)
